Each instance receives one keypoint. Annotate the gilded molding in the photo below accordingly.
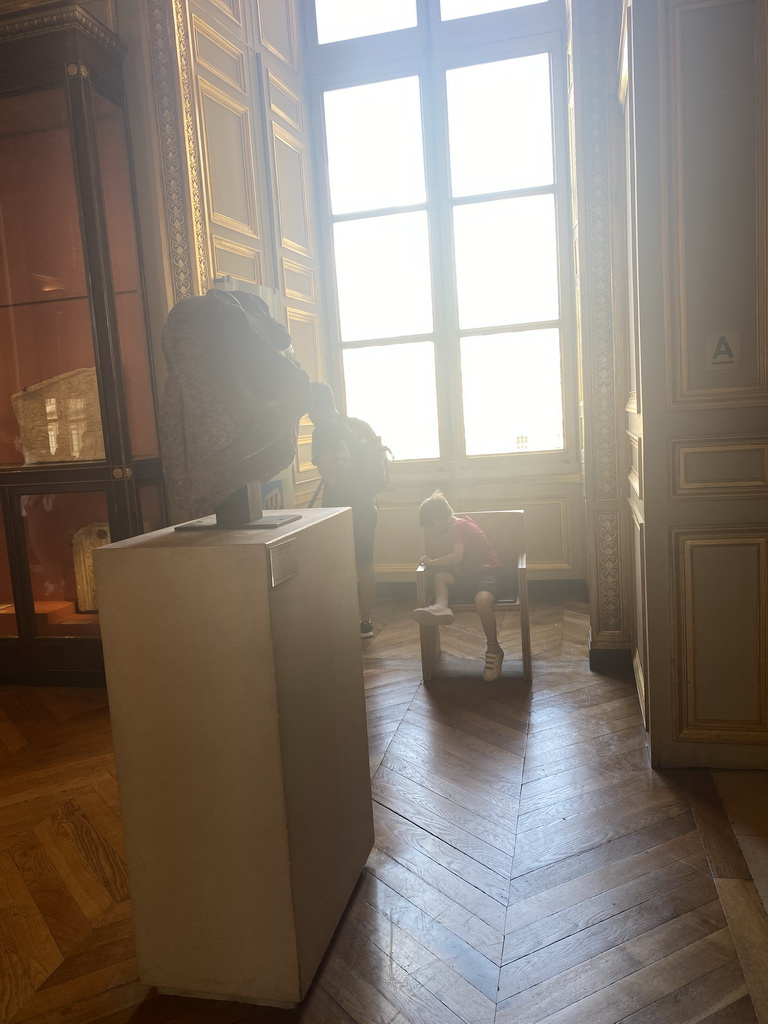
(595, 274)
(164, 72)
(608, 537)
(190, 136)
(32, 24)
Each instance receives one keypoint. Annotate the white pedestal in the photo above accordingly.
(234, 673)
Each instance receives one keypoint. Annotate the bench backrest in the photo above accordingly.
(504, 529)
(506, 532)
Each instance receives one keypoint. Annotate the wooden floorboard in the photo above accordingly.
(529, 865)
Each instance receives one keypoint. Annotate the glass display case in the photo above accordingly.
(79, 458)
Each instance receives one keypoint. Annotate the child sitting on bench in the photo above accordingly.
(469, 570)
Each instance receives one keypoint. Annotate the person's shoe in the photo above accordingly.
(434, 615)
(493, 659)
(366, 629)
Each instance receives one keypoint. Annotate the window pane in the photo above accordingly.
(392, 387)
(500, 125)
(512, 392)
(383, 277)
(506, 261)
(375, 151)
(450, 9)
(350, 19)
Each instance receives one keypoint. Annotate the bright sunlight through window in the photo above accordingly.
(481, 313)
(351, 19)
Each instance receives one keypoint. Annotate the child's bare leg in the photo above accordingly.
(484, 607)
(441, 584)
(438, 613)
(494, 655)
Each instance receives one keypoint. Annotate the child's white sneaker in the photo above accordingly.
(434, 615)
(493, 659)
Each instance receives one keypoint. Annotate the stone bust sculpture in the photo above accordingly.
(232, 400)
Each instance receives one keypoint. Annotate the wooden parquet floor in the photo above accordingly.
(529, 866)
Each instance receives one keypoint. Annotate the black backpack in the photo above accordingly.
(369, 458)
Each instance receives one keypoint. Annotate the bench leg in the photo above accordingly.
(429, 639)
(525, 636)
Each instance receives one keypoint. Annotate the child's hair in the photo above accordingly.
(434, 508)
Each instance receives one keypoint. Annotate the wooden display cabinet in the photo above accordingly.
(79, 457)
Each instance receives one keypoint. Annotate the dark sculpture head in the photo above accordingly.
(232, 400)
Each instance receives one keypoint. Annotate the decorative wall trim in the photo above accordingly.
(703, 467)
(609, 576)
(190, 136)
(36, 22)
(696, 595)
(594, 249)
(173, 158)
(604, 442)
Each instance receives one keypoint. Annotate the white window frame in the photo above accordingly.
(429, 51)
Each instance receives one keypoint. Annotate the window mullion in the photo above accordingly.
(443, 276)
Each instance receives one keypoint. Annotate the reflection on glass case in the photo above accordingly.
(79, 458)
(59, 419)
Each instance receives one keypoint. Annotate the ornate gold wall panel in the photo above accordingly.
(735, 467)
(292, 196)
(285, 103)
(304, 330)
(277, 27)
(213, 52)
(237, 261)
(298, 282)
(225, 141)
(717, 334)
(720, 637)
(232, 8)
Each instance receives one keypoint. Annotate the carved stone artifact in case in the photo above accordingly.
(60, 419)
(94, 535)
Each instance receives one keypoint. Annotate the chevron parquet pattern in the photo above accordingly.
(529, 867)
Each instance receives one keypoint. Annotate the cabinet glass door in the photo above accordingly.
(114, 166)
(61, 530)
(49, 397)
(8, 625)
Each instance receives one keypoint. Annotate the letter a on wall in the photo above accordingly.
(723, 350)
